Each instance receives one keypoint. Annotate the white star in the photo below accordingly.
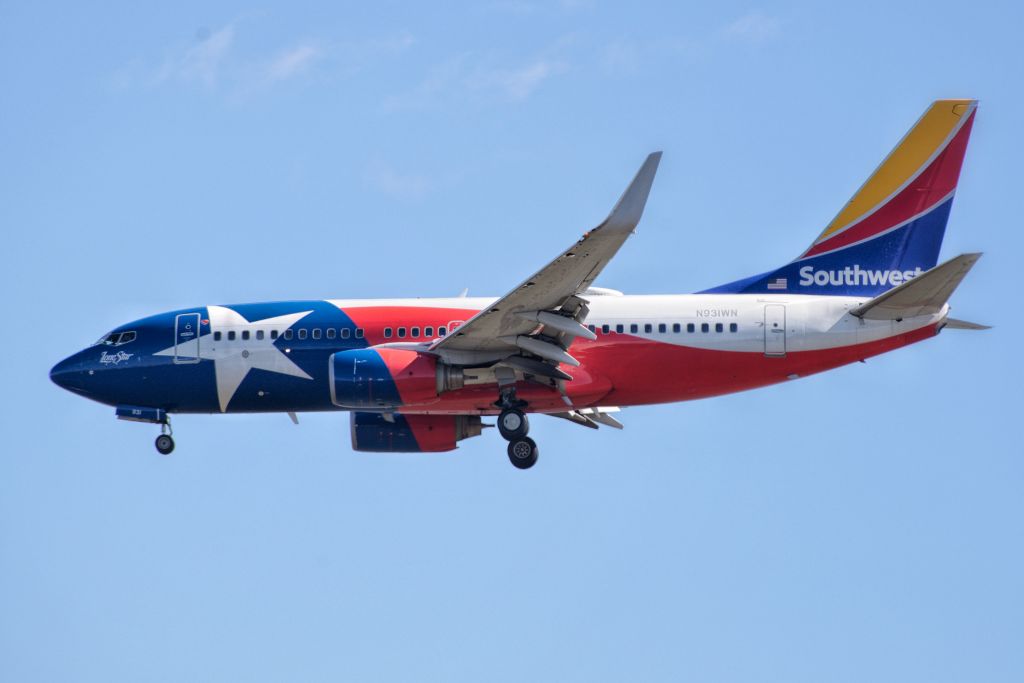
(232, 359)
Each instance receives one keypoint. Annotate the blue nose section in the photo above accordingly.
(70, 374)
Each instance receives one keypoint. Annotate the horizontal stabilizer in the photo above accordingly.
(925, 294)
(954, 324)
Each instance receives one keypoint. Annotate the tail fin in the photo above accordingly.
(892, 228)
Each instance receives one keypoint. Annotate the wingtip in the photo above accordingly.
(630, 207)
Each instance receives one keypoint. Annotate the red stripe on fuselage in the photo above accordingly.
(374, 319)
(624, 370)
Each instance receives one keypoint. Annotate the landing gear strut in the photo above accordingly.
(514, 427)
(165, 442)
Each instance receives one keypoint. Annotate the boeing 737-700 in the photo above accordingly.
(419, 375)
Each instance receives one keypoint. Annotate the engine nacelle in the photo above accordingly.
(382, 377)
(397, 433)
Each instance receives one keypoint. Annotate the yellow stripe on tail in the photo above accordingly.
(927, 136)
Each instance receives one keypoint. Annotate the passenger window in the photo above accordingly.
(260, 334)
(733, 327)
(345, 332)
(231, 335)
(273, 334)
(648, 328)
(662, 328)
(331, 333)
(634, 328)
(216, 336)
(303, 333)
(690, 327)
(719, 327)
(245, 335)
(619, 328)
(359, 333)
(592, 328)
(704, 327)
(676, 327)
(316, 333)
(401, 333)
(414, 332)
(605, 329)
(387, 333)
(288, 334)
(428, 332)
(442, 331)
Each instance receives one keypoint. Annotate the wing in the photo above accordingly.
(544, 313)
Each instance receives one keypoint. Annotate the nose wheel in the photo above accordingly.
(164, 444)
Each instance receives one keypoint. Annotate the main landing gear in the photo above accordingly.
(514, 427)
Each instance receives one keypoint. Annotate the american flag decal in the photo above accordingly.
(778, 283)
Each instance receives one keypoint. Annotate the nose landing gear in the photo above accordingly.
(165, 442)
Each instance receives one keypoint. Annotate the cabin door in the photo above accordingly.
(186, 338)
(775, 330)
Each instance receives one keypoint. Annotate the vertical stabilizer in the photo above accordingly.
(891, 230)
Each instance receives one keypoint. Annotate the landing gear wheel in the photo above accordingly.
(512, 424)
(164, 444)
(523, 452)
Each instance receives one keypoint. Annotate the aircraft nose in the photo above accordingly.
(69, 373)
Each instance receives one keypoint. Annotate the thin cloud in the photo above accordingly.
(386, 179)
(753, 27)
(439, 82)
(218, 61)
(293, 62)
(201, 62)
(456, 79)
(517, 84)
(625, 56)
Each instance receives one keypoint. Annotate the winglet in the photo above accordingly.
(630, 207)
(925, 294)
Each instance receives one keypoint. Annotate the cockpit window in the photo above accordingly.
(117, 338)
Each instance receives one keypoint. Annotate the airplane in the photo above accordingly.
(419, 375)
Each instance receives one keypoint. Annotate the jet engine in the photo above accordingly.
(397, 433)
(383, 377)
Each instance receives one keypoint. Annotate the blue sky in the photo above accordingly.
(866, 524)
